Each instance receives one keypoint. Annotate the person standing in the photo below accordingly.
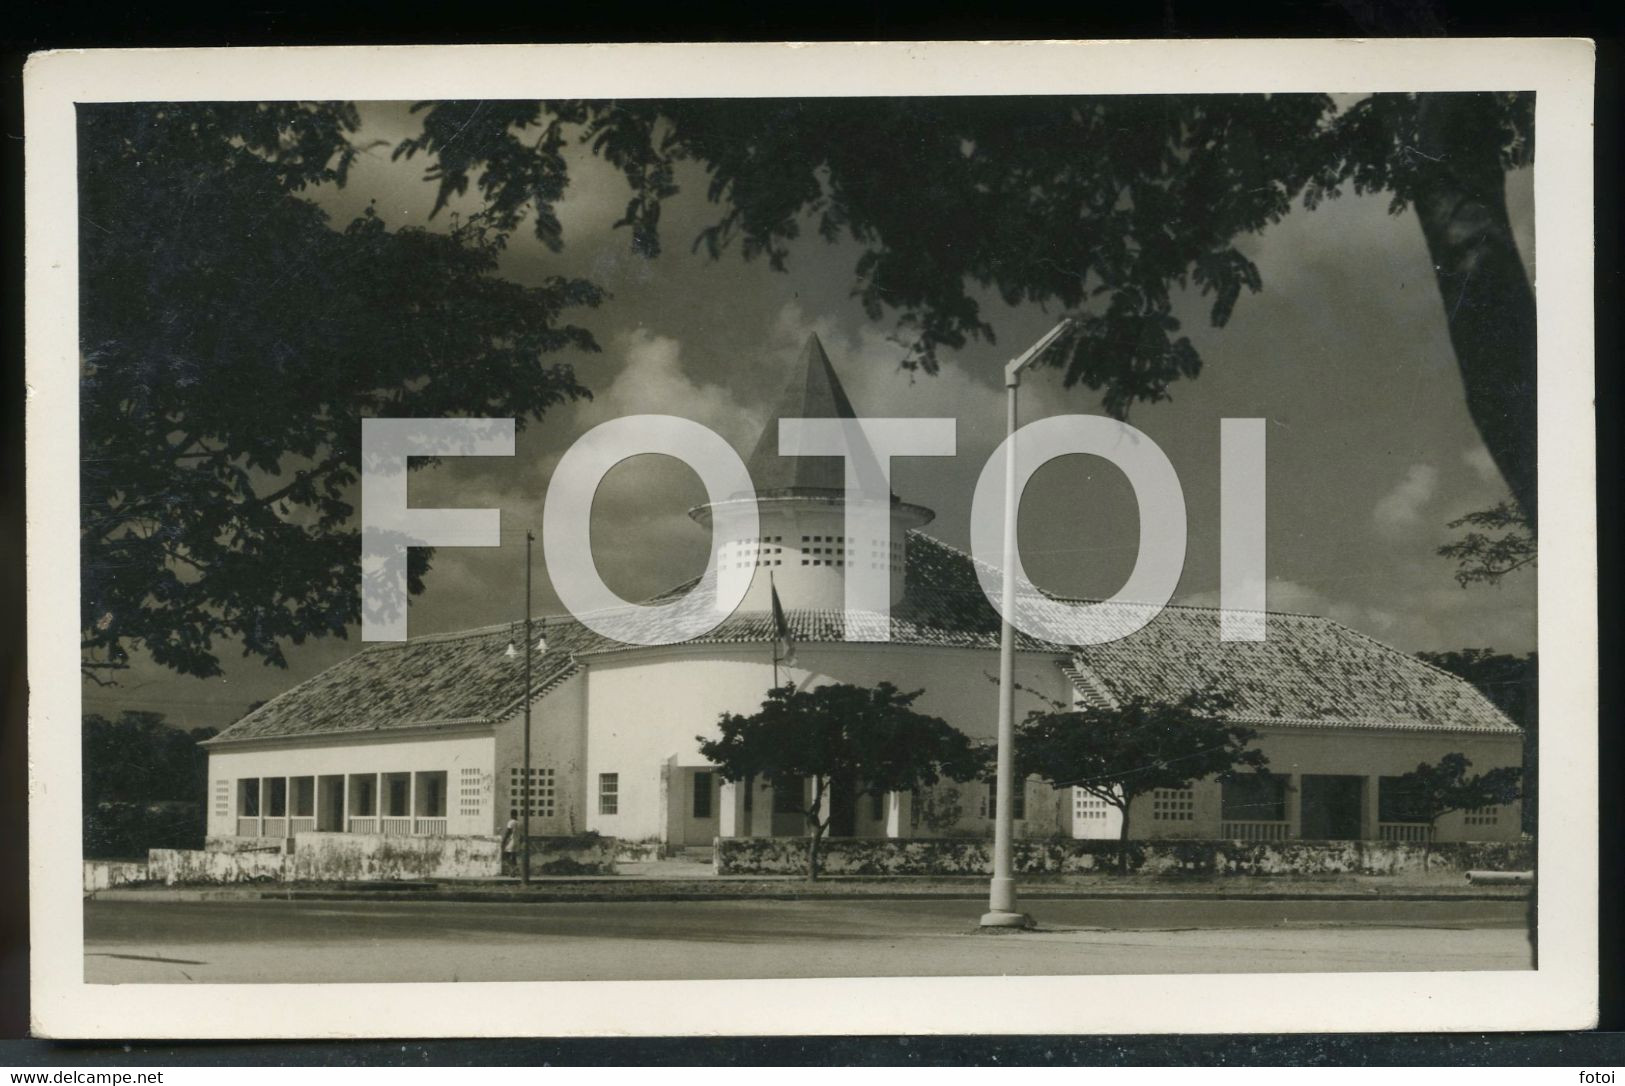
(510, 844)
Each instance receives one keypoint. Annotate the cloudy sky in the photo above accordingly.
(1345, 353)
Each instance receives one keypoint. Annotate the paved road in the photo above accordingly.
(310, 941)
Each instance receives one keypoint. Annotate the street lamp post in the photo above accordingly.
(1002, 911)
(524, 825)
(524, 784)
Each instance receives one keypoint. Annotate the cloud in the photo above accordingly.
(1401, 508)
(652, 381)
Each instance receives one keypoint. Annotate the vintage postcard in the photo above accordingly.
(849, 538)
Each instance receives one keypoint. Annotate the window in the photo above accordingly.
(276, 800)
(222, 798)
(399, 789)
(1482, 816)
(1173, 805)
(609, 793)
(788, 795)
(1253, 797)
(702, 794)
(470, 792)
(990, 804)
(430, 794)
(248, 797)
(1086, 807)
(542, 792)
(1399, 800)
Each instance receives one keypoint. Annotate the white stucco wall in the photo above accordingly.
(558, 744)
(647, 706)
(450, 752)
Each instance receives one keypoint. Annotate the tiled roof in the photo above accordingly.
(1309, 670)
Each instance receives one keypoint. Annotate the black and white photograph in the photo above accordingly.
(725, 517)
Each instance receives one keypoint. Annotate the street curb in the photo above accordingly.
(555, 898)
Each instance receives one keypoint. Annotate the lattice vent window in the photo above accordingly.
(542, 791)
(1173, 805)
(222, 798)
(1087, 808)
(1483, 816)
(471, 792)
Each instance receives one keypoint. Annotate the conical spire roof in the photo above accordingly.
(816, 394)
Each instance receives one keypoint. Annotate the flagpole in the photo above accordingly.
(772, 593)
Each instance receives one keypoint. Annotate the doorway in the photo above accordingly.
(1330, 807)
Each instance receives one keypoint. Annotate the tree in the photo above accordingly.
(143, 785)
(1512, 683)
(1102, 206)
(1483, 558)
(1435, 790)
(140, 758)
(232, 339)
(868, 740)
(1121, 752)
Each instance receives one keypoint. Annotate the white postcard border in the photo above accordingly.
(1561, 994)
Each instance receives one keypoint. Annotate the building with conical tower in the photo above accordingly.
(424, 737)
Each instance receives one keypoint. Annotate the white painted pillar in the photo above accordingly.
(344, 803)
(761, 815)
(412, 802)
(1294, 806)
(316, 801)
(1369, 810)
(264, 805)
(897, 814)
(731, 813)
(378, 803)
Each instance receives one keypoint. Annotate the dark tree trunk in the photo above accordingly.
(817, 828)
(1122, 843)
(1460, 199)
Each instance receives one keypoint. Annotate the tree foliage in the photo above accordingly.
(1437, 789)
(1102, 206)
(869, 738)
(1512, 683)
(138, 758)
(232, 339)
(1499, 541)
(1121, 752)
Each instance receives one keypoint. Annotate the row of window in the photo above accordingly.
(403, 794)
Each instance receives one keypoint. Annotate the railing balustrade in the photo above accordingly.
(248, 826)
(275, 827)
(1253, 831)
(366, 824)
(429, 827)
(1405, 832)
(401, 827)
(301, 825)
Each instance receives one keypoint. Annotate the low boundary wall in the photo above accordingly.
(953, 856)
(355, 857)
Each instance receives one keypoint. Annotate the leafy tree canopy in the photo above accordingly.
(871, 737)
(1103, 206)
(139, 758)
(1437, 789)
(232, 339)
(1499, 540)
(1120, 752)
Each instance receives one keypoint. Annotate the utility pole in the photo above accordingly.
(524, 825)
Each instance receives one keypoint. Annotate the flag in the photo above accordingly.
(784, 646)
